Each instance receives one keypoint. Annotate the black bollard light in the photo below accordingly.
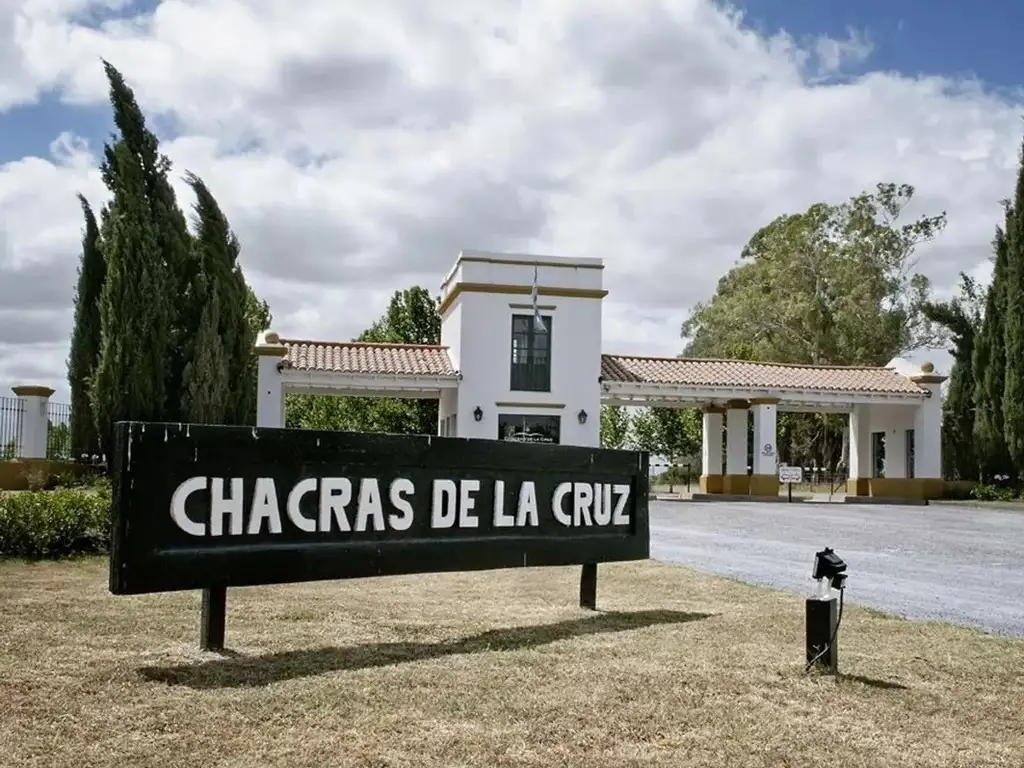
(823, 618)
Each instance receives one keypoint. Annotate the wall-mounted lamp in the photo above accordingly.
(582, 416)
(478, 413)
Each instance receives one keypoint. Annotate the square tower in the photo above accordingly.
(523, 382)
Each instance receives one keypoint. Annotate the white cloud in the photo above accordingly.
(358, 147)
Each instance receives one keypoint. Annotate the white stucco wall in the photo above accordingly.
(482, 349)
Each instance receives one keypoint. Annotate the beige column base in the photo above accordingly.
(764, 485)
(736, 485)
(860, 486)
(898, 487)
(710, 483)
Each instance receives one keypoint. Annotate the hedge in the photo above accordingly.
(52, 524)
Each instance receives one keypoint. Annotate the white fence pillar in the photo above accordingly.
(34, 427)
(270, 394)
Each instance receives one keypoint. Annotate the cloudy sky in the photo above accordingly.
(358, 146)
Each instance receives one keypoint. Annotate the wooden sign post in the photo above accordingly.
(212, 507)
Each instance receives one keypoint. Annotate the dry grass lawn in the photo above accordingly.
(488, 669)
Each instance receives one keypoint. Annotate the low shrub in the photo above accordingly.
(58, 523)
(993, 493)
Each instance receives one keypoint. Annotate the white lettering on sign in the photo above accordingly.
(292, 508)
(400, 488)
(346, 505)
(526, 506)
(596, 504)
(178, 498)
(526, 514)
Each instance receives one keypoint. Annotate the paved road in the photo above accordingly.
(956, 564)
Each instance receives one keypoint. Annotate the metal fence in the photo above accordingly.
(11, 417)
(58, 436)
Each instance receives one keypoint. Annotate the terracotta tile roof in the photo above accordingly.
(750, 375)
(368, 358)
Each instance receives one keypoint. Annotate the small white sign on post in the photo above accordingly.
(791, 474)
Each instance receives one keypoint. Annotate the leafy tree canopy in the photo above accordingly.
(616, 427)
(832, 285)
(411, 318)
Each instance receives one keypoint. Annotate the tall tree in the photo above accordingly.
(411, 318)
(674, 433)
(169, 228)
(961, 317)
(1013, 334)
(989, 365)
(206, 394)
(616, 427)
(832, 285)
(149, 268)
(215, 252)
(85, 337)
(131, 373)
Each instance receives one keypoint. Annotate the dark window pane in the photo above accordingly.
(530, 363)
(531, 356)
(529, 428)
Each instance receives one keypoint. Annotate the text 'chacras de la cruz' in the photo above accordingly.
(329, 504)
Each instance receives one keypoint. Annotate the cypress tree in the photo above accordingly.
(85, 337)
(168, 230)
(961, 317)
(989, 364)
(147, 248)
(205, 378)
(1013, 387)
(216, 251)
(131, 374)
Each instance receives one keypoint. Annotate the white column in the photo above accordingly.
(736, 439)
(270, 392)
(860, 443)
(896, 450)
(34, 430)
(928, 426)
(711, 455)
(766, 456)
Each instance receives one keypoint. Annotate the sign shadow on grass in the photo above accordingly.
(870, 682)
(239, 671)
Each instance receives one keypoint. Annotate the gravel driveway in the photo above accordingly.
(957, 564)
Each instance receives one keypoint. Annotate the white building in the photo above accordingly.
(498, 376)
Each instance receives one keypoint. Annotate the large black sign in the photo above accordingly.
(199, 506)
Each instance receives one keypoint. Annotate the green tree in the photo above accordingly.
(149, 269)
(669, 432)
(206, 388)
(1013, 332)
(961, 317)
(411, 318)
(131, 373)
(832, 285)
(215, 252)
(989, 365)
(85, 337)
(616, 427)
(674, 433)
